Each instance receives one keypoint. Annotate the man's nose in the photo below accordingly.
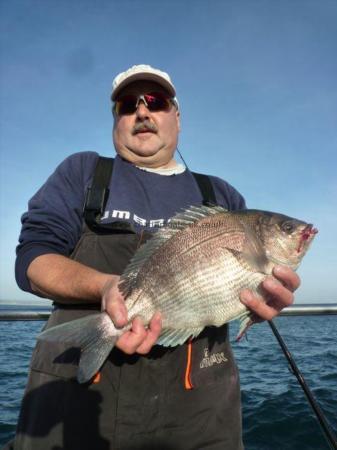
(142, 111)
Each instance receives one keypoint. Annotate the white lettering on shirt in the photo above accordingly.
(157, 223)
(139, 220)
(120, 214)
(126, 215)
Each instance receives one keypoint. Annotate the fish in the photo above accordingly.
(192, 270)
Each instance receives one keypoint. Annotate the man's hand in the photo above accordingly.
(137, 340)
(278, 293)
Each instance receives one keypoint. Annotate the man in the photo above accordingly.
(145, 396)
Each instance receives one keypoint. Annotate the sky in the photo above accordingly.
(257, 86)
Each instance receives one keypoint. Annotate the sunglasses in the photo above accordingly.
(154, 101)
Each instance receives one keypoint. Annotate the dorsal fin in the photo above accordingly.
(192, 214)
(178, 223)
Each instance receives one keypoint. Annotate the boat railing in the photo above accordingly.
(294, 310)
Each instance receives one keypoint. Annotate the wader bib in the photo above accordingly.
(180, 398)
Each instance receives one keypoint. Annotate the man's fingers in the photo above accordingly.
(114, 304)
(152, 335)
(139, 339)
(277, 295)
(131, 340)
(287, 277)
(257, 305)
(275, 299)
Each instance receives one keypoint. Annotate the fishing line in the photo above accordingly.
(327, 431)
(181, 156)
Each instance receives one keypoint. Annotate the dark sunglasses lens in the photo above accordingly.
(126, 105)
(157, 101)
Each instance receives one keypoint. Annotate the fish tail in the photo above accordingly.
(95, 334)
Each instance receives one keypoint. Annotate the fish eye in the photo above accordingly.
(287, 227)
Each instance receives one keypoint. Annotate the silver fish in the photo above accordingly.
(192, 271)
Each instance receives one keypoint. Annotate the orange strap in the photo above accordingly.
(97, 378)
(188, 382)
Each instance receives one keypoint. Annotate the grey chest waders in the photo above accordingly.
(180, 398)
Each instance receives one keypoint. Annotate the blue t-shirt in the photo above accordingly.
(54, 222)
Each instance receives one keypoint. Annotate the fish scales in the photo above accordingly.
(193, 271)
(194, 256)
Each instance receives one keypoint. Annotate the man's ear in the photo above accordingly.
(178, 120)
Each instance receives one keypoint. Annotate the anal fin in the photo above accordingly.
(171, 337)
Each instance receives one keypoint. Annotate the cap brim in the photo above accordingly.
(144, 76)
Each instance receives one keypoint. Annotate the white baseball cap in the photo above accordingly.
(142, 72)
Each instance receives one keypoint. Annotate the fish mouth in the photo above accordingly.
(306, 235)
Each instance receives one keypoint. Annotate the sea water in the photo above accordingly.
(276, 414)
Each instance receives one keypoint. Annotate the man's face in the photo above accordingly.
(146, 138)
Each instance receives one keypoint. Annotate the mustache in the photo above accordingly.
(144, 126)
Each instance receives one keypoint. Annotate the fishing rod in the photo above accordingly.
(327, 431)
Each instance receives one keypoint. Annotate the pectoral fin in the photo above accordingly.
(253, 251)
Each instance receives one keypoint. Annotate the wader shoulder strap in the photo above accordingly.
(97, 196)
(98, 193)
(206, 189)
